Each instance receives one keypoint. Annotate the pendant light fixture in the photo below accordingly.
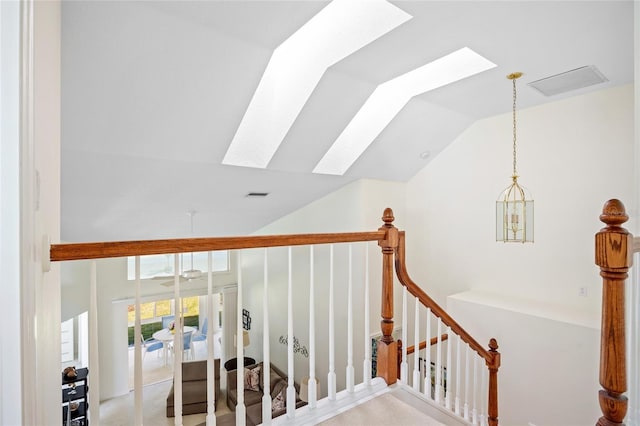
(514, 207)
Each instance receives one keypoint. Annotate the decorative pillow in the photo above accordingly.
(279, 403)
(252, 379)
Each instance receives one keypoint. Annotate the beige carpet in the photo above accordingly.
(384, 410)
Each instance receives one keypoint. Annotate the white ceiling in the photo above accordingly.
(153, 92)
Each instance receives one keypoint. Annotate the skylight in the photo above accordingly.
(296, 67)
(389, 98)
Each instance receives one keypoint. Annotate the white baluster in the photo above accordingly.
(416, 346)
(291, 390)
(177, 345)
(312, 334)
(366, 368)
(458, 372)
(475, 390)
(467, 373)
(137, 343)
(427, 358)
(212, 319)
(331, 376)
(404, 365)
(438, 390)
(350, 373)
(450, 371)
(483, 401)
(94, 358)
(266, 373)
(241, 410)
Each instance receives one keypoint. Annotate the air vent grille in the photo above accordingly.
(569, 80)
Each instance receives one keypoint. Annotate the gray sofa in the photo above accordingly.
(253, 399)
(194, 388)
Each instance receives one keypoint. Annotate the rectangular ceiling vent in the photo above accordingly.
(569, 80)
(257, 194)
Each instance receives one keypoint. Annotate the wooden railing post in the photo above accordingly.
(493, 365)
(614, 257)
(387, 360)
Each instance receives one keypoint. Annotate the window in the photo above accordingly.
(162, 264)
(154, 311)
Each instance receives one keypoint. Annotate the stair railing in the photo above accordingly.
(614, 248)
(104, 250)
(390, 367)
(392, 243)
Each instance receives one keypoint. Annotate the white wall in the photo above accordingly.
(548, 374)
(573, 155)
(356, 207)
(41, 187)
(10, 353)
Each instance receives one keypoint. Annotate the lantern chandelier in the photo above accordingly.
(514, 207)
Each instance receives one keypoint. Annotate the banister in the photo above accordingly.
(492, 357)
(416, 291)
(100, 250)
(613, 254)
(393, 254)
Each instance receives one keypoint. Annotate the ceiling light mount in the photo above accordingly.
(514, 75)
(514, 207)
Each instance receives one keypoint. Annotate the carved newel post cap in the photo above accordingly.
(387, 216)
(613, 213)
(493, 345)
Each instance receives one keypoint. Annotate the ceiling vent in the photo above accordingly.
(569, 80)
(257, 194)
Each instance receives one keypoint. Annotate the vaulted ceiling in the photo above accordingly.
(153, 93)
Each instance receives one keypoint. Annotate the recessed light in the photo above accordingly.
(389, 98)
(296, 67)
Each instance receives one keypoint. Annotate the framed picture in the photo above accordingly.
(246, 320)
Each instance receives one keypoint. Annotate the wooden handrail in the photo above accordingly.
(614, 247)
(422, 345)
(393, 253)
(416, 291)
(101, 250)
(491, 357)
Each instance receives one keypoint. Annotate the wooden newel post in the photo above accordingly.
(387, 349)
(614, 257)
(494, 365)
